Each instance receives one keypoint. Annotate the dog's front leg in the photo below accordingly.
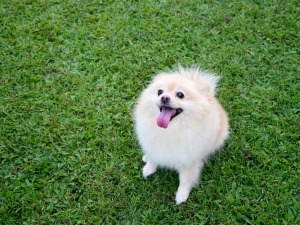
(188, 177)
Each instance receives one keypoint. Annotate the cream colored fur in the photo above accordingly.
(193, 135)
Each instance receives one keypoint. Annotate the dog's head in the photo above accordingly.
(178, 96)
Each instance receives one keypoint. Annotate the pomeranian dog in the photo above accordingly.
(179, 124)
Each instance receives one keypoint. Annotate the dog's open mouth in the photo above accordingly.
(166, 115)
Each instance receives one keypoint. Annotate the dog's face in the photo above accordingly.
(175, 98)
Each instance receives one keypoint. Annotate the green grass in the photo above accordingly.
(71, 72)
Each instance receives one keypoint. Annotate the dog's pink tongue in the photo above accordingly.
(164, 117)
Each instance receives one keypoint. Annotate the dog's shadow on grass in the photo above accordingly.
(160, 186)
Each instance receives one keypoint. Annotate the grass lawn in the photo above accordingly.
(70, 74)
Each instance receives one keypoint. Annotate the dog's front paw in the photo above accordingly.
(181, 196)
(145, 159)
(149, 169)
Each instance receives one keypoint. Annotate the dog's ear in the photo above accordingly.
(207, 85)
(205, 89)
(160, 75)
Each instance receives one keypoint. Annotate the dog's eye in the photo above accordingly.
(160, 92)
(180, 95)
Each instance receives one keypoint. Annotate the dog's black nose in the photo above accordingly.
(165, 98)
